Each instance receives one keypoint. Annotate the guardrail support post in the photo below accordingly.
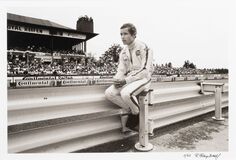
(218, 103)
(216, 88)
(145, 125)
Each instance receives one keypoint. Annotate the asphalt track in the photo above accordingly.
(199, 134)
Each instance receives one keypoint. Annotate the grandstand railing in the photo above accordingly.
(66, 119)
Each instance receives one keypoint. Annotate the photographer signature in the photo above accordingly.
(203, 156)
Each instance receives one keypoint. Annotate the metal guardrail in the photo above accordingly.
(69, 119)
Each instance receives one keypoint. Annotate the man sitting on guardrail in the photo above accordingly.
(133, 75)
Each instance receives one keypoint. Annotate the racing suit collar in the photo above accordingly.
(131, 46)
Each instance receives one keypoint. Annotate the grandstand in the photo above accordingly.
(38, 46)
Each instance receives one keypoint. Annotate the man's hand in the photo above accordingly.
(119, 83)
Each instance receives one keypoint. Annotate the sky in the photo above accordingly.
(177, 30)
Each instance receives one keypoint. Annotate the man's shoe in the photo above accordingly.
(136, 128)
(133, 121)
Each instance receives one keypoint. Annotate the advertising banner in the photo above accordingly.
(34, 83)
(191, 78)
(103, 81)
(166, 79)
(72, 82)
(27, 29)
(179, 78)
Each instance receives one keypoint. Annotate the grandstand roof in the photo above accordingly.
(44, 23)
(36, 21)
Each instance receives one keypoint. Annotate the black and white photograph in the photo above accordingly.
(117, 79)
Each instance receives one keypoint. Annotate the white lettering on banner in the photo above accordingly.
(40, 54)
(56, 55)
(166, 79)
(64, 77)
(179, 78)
(37, 30)
(47, 77)
(39, 78)
(38, 83)
(110, 76)
(69, 35)
(73, 82)
(74, 35)
(45, 58)
(27, 29)
(191, 78)
(103, 81)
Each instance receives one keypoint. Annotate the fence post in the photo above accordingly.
(216, 88)
(218, 103)
(145, 125)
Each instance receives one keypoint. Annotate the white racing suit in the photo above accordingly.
(136, 67)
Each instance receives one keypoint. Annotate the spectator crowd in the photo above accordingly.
(106, 65)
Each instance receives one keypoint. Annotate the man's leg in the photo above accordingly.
(128, 94)
(113, 94)
(130, 91)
